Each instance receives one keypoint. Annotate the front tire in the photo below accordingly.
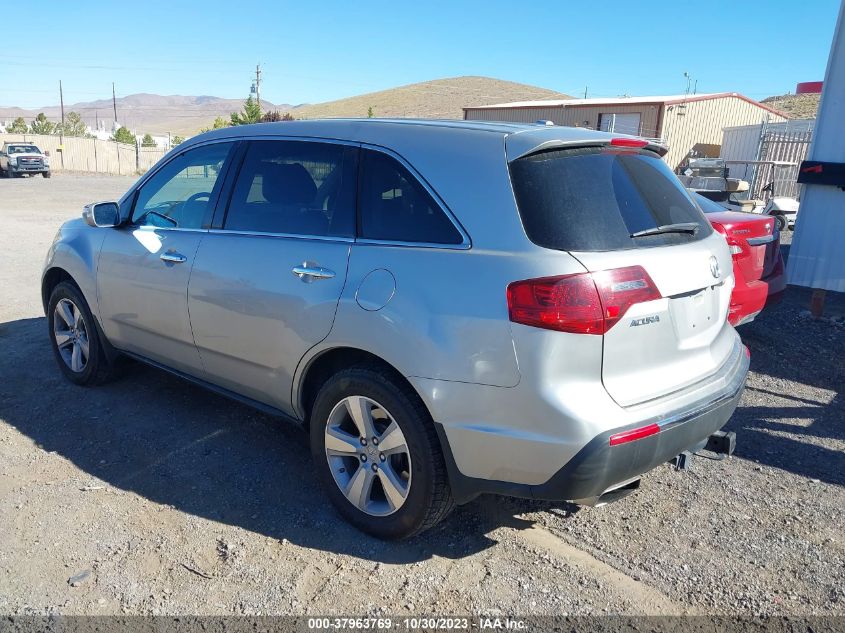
(46, 174)
(378, 455)
(781, 222)
(74, 337)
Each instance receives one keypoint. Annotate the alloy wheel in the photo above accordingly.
(71, 334)
(368, 456)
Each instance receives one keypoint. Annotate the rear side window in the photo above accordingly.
(395, 206)
(296, 188)
(595, 199)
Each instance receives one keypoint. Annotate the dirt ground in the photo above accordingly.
(152, 496)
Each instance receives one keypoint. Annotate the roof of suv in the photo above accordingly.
(521, 138)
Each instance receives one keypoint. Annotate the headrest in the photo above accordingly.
(287, 184)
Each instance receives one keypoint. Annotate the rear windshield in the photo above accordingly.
(595, 199)
(707, 205)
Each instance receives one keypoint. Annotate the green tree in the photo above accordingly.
(219, 122)
(271, 117)
(147, 141)
(177, 140)
(123, 135)
(250, 114)
(275, 115)
(40, 125)
(18, 126)
(370, 113)
(73, 126)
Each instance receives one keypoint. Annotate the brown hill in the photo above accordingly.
(796, 106)
(143, 113)
(158, 114)
(437, 99)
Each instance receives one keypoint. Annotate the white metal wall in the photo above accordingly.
(742, 142)
(91, 154)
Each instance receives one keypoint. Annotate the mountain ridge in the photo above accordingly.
(185, 115)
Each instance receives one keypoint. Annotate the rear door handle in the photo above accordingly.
(309, 273)
(173, 258)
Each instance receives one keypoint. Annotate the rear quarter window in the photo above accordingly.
(595, 199)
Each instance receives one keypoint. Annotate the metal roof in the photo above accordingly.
(545, 103)
(598, 101)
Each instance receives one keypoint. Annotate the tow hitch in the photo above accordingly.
(718, 446)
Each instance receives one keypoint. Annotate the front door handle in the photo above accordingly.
(310, 273)
(173, 258)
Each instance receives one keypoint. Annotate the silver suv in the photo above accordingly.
(448, 308)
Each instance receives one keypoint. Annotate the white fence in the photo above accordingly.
(91, 154)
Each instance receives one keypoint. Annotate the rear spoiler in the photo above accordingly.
(525, 143)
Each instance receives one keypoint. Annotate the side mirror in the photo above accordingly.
(102, 214)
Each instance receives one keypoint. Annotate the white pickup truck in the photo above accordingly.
(18, 158)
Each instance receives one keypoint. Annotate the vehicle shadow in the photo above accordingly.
(177, 444)
(789, 429)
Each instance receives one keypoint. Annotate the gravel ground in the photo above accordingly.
(152, 496)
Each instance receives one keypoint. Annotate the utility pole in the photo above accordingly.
(258, 84)
(62, 131)
(114, 105)
(585, 91)
(62, 103)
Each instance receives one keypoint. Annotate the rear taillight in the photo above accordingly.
(584, 303)
(733, 245)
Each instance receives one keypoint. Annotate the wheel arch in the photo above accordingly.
(328, 362)
(55, 275)
(51, 278)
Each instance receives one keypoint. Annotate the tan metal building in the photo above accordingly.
(687, 124)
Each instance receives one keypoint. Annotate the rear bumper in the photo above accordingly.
(749, 298)
(599, 467)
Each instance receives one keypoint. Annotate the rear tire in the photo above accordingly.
(781, 222)
(75, 338)
(349, 469)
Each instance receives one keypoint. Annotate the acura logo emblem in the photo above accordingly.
(714, 267)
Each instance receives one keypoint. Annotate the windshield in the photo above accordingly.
(597, 199)
(22, 149)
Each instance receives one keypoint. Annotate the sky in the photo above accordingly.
(319, 51)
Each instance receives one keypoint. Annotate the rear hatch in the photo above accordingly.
(618, 208)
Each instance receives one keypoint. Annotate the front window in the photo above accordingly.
(182, 194)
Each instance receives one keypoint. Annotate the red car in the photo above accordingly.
(758, 263)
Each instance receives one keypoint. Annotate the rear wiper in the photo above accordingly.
(680, 227)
